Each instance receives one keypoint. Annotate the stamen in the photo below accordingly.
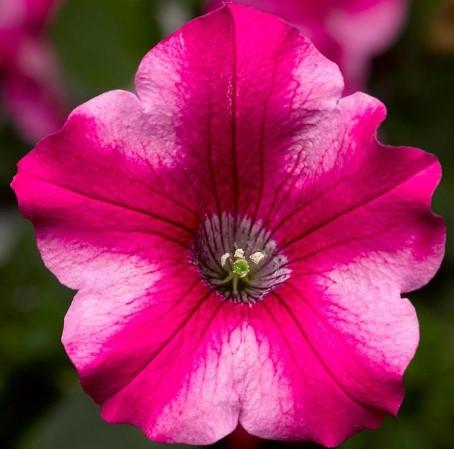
(239, 253)
(224, 258)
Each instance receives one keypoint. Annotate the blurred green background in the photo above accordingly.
(100, 44)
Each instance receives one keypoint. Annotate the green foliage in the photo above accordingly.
(33, 303)
(100, 43)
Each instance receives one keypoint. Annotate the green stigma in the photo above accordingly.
(241, 267)
(238, 268)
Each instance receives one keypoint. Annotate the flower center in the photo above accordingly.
(239, 259)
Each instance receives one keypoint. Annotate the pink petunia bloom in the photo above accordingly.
(30, 87)
(238, 238)
(349, 32)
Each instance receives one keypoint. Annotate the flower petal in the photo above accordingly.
(196, 389)
(242, 90)
(342, 353)
(100, 173)
(374, 206)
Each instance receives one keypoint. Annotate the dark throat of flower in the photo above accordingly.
(238, 259)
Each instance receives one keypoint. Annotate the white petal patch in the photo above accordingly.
(236, 381)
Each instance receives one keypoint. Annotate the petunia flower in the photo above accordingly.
(349, 32)
(238, 238)
(30, 87)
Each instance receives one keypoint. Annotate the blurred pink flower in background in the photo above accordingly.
(349, 32)
(30, 87)
(238, 238)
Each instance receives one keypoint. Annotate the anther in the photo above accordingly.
(257, 257)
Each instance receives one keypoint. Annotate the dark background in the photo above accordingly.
(100, 44)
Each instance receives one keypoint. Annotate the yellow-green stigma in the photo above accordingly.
(238, 268)
(241, 268)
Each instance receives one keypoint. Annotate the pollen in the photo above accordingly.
(257, 257)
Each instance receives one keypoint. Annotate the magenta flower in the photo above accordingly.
(238, 238)
(349, 32)
(30, 87)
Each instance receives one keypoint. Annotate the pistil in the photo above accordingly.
(238, 267)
